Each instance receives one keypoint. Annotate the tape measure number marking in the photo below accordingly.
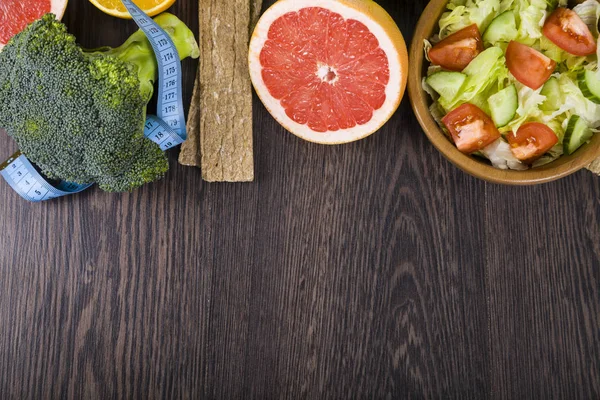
(170, 101)
(22, 176)
(160, 133)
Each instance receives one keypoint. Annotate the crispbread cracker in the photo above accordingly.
(190, 149)
(220, 118)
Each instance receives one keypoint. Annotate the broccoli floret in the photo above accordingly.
(79, 114)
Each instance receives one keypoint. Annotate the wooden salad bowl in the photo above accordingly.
(475, 166)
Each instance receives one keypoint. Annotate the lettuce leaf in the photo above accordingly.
(553, 154)
(501, 156)
(468, 12)
(532, 16)
(589, 12)
(486, 75)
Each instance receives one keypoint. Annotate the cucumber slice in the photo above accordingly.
(503, 105)
(447, 84)
(590, 86)
(502, 29)
(577, 134)
(553, 95)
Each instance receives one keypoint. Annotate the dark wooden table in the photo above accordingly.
(371, 270)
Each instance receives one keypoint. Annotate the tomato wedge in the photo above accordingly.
(566, 30)
(456, 51)
(532, 141)
(528, 66)
(471, 128)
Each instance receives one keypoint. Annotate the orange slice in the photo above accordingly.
(15, 15)
(329, 71)
(117, 9)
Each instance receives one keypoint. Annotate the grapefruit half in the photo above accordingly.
(329, 71)
(15, 15)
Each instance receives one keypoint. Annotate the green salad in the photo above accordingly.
(516, 81)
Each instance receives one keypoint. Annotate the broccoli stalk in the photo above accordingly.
(79, 114)
(138, 51)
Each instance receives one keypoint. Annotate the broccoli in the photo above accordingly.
(79, 114)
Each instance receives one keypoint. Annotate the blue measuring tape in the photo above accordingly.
(167, 129)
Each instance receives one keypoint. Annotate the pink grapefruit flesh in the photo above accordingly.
(15, 15)
(328, 72)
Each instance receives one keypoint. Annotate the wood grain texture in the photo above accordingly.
(548, 303)
(372, 270)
